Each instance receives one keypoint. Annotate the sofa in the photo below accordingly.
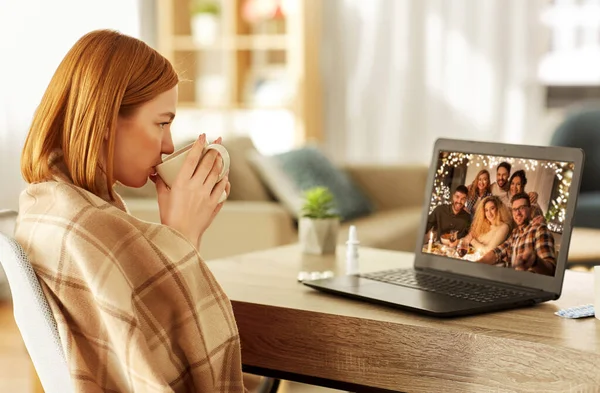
(253, 219)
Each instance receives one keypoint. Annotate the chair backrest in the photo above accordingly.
(7, 226)
(34, 318)
(8, 218)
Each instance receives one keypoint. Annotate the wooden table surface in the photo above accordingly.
(294, 332)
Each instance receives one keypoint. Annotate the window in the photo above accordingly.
(570, 67)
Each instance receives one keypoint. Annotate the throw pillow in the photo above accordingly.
(278, 183)
(288, 174)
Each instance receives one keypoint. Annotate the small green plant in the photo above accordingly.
(318, 203)
(205, 7)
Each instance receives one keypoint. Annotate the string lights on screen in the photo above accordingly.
(448, 161)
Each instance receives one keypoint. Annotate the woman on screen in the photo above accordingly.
(478, 189)
(490, 226)
(517, 183)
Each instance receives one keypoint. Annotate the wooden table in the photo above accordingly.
(293, 332)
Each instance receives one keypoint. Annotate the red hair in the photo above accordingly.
(104, 75)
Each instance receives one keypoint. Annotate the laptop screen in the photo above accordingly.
(502, 211)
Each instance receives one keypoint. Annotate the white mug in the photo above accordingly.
(171, 165)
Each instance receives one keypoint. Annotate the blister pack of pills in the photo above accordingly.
(307, 276)
(586, 310)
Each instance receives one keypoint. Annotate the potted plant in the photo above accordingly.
(319, 223)
(205, 21)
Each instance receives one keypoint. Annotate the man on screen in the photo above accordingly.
(501, 187)
(451, 217)
(530, 247)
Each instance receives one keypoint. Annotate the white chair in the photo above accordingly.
(8, 218)
(34, 318)
(7, 226)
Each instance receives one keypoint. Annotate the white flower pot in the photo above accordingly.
(205, 29)
(318, 236)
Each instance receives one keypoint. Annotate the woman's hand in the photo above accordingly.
(191, 204)
(533, 197)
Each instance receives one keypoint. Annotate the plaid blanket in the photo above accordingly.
(136, 306)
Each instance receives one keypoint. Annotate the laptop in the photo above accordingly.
(450, 279)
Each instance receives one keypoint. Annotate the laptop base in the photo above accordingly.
(415, 300)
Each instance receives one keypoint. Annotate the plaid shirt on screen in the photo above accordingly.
(535, 237)
(471, 203)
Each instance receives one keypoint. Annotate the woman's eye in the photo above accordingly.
(162, 125)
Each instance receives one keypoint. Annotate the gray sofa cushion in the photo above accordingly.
(307, 167)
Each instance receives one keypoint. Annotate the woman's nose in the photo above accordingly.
(167, 144)
(168, 149)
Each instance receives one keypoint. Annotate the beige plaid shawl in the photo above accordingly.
(137, 308)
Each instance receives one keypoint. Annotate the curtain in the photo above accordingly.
(34, 37)
(398, 74)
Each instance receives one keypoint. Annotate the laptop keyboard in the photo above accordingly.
(445, 285)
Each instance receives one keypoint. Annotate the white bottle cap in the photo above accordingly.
(352, 235)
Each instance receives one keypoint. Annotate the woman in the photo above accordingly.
(478, 189)
(490, 226)
(136, 306)
(517, 183)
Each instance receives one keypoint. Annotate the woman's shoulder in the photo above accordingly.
(66, 205)
(56, 193)
(54, 210)
(502, 227)
(69, 234)
(64, 200)
(62, 204)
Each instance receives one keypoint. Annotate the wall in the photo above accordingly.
(34, 37)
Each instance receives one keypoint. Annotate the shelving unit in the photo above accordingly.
(266, 69)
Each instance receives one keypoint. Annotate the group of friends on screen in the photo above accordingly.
(500, 221)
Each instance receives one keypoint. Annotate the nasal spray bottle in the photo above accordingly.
(352, 251)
